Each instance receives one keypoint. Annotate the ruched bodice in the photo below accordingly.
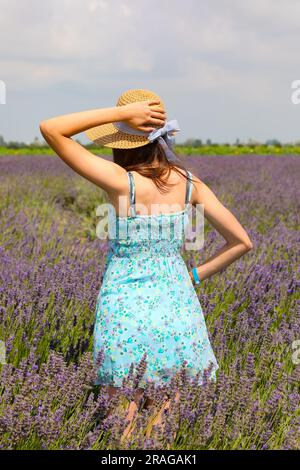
(152, 235)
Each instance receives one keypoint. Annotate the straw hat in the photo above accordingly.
(109, 135)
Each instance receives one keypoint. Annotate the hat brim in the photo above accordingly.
(108, 135)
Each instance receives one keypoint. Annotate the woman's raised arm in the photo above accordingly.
(110, 176)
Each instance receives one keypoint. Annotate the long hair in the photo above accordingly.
(140, 159)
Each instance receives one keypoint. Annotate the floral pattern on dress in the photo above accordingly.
(147, 302)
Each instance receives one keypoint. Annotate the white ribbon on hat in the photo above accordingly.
(163, 134)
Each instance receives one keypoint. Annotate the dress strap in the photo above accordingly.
(189, 187)
(131, 194)
(132, 201)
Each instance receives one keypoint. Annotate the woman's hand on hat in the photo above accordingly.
(144, 115)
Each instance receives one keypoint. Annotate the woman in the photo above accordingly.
(147, 307)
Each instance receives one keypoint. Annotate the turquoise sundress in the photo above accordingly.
(147, 302)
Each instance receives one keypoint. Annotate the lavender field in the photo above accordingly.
(51, 271)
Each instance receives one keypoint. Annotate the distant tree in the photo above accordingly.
(274, 142)
(13, 144)
(253, 143)
(36, 142)
(2, 142)
(193, 143)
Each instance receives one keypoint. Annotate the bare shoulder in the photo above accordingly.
(197, 191)
(203, 194)
(197, 195)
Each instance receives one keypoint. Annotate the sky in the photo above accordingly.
(223, 68)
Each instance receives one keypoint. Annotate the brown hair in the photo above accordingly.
(140, 159)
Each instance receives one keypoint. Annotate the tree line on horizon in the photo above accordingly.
(191, 142)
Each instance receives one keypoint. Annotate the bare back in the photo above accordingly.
(150, 201)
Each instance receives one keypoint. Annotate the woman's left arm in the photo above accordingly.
(108, 175)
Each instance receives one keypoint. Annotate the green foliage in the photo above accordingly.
(207, 149)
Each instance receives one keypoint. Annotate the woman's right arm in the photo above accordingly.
(237, 241)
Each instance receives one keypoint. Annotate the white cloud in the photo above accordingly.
(238, 51)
